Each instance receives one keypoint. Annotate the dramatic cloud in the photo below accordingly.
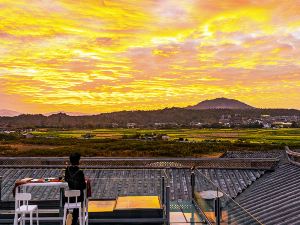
(108, 55)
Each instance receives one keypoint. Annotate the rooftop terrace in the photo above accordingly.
(263, 186)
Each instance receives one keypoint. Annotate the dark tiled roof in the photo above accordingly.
(275, 198)
(254, 154)
(110, 183)
(232, 182)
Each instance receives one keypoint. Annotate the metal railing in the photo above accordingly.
(87, 162)
(216, 206)
(1, 179)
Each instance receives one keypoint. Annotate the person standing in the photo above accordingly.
(74, 176)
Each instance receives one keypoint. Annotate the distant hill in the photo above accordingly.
(141, 118)
(221, 103)
(68, 113)
(6, 112)
(206, 112)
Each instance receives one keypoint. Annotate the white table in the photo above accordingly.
(211, 194)
(60, 185)
(45, 184)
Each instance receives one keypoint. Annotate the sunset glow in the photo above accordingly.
(109, 55)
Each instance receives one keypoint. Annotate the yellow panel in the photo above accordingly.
(138, 202)
(102, 206)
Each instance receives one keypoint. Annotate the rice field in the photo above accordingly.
(288, 136)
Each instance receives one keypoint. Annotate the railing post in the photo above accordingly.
(168, 204)
(61, 202)
(218, 209)
(163, 189)
(1, 179)
(193, 184)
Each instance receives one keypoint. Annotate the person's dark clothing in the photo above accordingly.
(76, 181)
(75, 215)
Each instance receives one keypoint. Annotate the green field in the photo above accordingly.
(121, 142)
(289, 136)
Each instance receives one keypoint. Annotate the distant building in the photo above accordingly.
(131, 125)
(227, 125)
(282, 124)
(196, 124)
(159, 124)
(165, 137)
(166, 125)
(114, 125)
(267, 125)
(88, 136)
(225, 119)
(264, 116)
(225, 116)
(29, 135)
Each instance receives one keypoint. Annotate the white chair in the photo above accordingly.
(75, 205)
(85, 211)
(24, 209)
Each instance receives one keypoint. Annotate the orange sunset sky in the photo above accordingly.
(109, 55)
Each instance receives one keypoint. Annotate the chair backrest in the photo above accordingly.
(25, 197)
(71, 194)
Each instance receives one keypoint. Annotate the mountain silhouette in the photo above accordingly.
(221, 103)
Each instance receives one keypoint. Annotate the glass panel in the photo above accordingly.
(233, 213)
(109, 184)
(205, 195)
(184, 212)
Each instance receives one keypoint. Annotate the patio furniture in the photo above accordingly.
(75, 205)
(61, 185)
(22, 207)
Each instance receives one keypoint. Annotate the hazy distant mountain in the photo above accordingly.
(6, 112)
(221, 103)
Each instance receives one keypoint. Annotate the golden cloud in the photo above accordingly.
(121, 54)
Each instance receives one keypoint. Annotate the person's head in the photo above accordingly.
(74, 159)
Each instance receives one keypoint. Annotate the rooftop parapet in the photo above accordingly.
(100, 162)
